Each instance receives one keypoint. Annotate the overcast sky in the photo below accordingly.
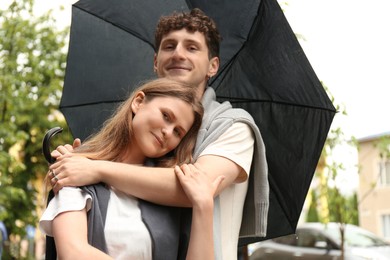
(347, 43)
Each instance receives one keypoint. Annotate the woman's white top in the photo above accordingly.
(126, 234)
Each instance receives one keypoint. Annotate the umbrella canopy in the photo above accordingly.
(263, 70)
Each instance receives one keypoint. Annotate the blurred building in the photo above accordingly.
(374, 184)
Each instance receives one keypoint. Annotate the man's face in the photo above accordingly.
(183, 56)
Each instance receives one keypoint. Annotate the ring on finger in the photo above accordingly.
(52, 173)
(55, 178)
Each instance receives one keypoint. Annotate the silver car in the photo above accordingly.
(322, 241)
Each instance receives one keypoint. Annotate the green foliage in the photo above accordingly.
(32, 63)
(312, 214)
(383, 146)
(342, 208)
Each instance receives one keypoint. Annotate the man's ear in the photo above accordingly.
(137, 101)
(213, 66)
(155, 63)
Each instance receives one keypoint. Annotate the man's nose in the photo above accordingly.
(179, 53)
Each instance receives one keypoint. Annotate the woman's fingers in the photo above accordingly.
(196, 184)
(218, 182)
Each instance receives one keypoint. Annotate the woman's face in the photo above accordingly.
(159, 124)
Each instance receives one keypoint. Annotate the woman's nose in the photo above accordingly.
(167, 131)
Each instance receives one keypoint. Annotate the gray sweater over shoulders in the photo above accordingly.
(217, 119)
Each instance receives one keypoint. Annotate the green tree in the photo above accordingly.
(338, 207)
(312, 213)
(32, 62)
(383, 146)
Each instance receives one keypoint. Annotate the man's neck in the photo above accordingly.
(200, 91)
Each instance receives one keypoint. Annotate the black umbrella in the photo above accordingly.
(263, 70)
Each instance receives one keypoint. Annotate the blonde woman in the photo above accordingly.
(157, 125)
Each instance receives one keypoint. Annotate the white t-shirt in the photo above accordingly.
(236, 144)
(126, 234)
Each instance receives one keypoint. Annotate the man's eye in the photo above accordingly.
(168, 47)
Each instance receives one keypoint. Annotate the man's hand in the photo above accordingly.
(67, 148)
(57, 153)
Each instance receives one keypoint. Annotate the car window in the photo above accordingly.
(355, 236)
(290, 240)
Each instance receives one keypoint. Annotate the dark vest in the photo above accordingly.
(169, 227)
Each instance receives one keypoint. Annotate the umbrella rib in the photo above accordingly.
(91, 104)
(241, 100)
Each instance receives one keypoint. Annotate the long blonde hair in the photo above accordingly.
(115, 135)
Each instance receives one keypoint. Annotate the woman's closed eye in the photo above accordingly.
(166, 116)
(170, 118)
(178, 132)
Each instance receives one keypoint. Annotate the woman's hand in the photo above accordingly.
(199, 189)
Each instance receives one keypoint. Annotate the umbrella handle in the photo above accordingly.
(46, 143)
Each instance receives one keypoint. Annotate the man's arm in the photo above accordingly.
(157, 185)
(160, 185)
